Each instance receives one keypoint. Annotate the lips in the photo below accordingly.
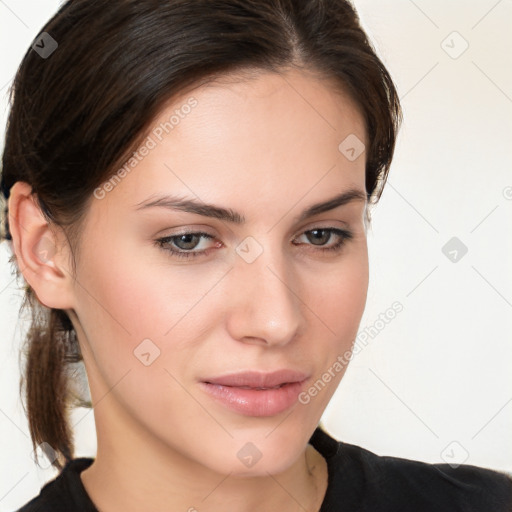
(256, 393)
(258, 380)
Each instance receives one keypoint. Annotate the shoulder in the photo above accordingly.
(401, 483)
(367, 482)
(64, 493)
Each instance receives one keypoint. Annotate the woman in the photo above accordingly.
(188, 187)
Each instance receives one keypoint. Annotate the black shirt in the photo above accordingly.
(359, 481)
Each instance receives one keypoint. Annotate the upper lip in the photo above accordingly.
(259, 379)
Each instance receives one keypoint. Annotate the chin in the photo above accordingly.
(253, 456)
(260, 468)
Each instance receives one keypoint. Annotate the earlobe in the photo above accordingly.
(42, 255)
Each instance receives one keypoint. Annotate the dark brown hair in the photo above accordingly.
(79, 113)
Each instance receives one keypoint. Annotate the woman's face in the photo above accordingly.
(261, 294)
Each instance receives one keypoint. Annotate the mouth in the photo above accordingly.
(257, 388)
(263, 380)
(256, 394)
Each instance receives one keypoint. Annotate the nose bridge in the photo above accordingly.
(266, 305)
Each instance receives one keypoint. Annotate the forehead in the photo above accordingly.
(250, 139)
(248, 98)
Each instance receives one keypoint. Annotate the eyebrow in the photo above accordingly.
(234, 217)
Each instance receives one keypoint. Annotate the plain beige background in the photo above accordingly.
(434, 383)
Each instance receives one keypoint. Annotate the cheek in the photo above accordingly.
(134, 312)
(338, 296)
(139, 328)
(337, 301)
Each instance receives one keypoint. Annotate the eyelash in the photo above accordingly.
(164, 241)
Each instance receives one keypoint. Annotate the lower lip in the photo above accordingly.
(254, 402)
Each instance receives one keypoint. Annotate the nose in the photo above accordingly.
(265, 306)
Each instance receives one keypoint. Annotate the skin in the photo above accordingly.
(266, 147)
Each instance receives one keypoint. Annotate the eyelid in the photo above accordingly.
(344, 236)
(309, 226)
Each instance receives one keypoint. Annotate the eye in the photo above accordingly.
(322, 235)
(187, 243)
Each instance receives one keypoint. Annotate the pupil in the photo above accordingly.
(321, 231)
(187, 239)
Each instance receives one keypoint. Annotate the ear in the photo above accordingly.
(42, 254)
